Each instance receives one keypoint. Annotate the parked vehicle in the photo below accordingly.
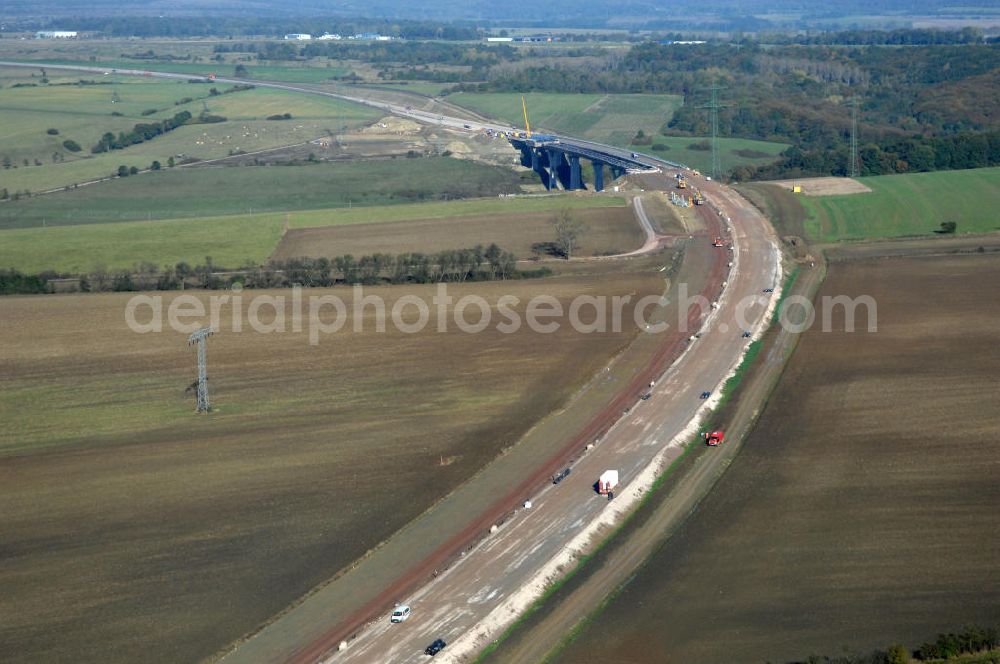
(435, 647)
(560, 476)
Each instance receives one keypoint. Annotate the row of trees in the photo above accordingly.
(477, 263)
(140, 133)
(969, 641)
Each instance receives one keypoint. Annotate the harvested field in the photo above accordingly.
(138, 531)
(608, 231)
(862, 510)
(824, 186)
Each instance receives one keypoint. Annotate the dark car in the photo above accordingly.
(768, 290)
(645, 397)
(435, 647)
(559, 477)
(746, 335)
(706, 394)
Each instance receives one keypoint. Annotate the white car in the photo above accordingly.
(400, 614)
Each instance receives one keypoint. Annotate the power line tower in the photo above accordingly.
(855, 166)
(713, 107)
(200, 338)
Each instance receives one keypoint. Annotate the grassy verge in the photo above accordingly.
(905, 205)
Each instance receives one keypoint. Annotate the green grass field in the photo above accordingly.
(678, 151)
(913, 204)
(607, 118)
(232, 241)
(83, 114)
(210, 192)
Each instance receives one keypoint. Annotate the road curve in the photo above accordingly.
(476, 597)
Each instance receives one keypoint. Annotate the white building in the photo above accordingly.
(499, 39)
(298, 36)
(56, 34)
(326, 36)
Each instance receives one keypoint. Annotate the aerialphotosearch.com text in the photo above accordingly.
(320, 315)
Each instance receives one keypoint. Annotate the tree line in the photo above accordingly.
(140, 133)
(970, 641)
(479, 263)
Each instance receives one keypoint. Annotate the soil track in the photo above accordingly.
(828, 186)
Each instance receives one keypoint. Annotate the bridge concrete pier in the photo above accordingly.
(555, 159)
(574, 172)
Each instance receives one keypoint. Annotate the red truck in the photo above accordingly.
(715, 438)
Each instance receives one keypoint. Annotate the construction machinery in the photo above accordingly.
(607, 482)
(682, 182)
(715, 438)
(524, 109)
(526, 134)
(699, 199)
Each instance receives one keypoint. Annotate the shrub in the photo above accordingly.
(703, 146)
(52, 132)
(71, 145)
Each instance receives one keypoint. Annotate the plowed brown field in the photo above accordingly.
(134, 530)
(606, 231)
(862, 511)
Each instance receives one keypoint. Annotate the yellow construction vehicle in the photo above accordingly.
(527, 126)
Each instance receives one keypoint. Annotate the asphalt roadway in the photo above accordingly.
(470, 602)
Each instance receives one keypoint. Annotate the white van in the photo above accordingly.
(400, 614)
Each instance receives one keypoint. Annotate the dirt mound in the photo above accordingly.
(458, 148)
(392, 125)
(824, 186)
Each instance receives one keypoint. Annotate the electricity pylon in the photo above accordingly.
(854, 169)
(200, 337)
(713, 106)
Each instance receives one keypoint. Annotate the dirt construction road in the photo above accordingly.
(470, 602)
